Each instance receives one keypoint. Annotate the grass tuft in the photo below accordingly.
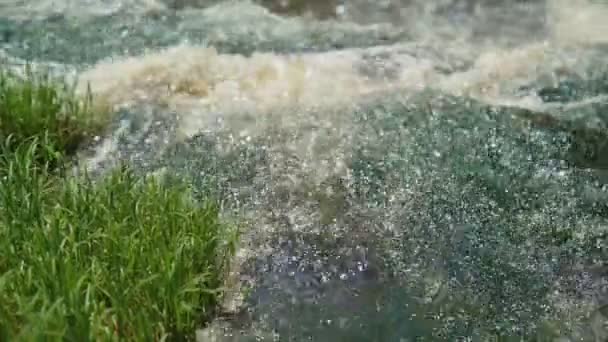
(44, 107)
(118, 258)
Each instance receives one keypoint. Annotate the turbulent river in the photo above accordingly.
(404, 170)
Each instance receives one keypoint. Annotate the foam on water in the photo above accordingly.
(200, 83)
(578, 21)
(198, 80)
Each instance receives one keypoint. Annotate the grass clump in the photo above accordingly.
(46, 108)
(118, 258)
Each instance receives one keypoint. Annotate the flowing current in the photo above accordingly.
(404, 170)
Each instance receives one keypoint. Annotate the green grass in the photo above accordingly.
(118, 258)
(46, 108)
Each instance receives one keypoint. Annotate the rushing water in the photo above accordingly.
(404, 169)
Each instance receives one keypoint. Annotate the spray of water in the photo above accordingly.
(201, 81)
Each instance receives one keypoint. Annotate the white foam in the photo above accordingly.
(578, 21)
(198, 80)
(202, 84)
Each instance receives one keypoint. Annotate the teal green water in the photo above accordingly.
(88, 40)
(491, 221)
